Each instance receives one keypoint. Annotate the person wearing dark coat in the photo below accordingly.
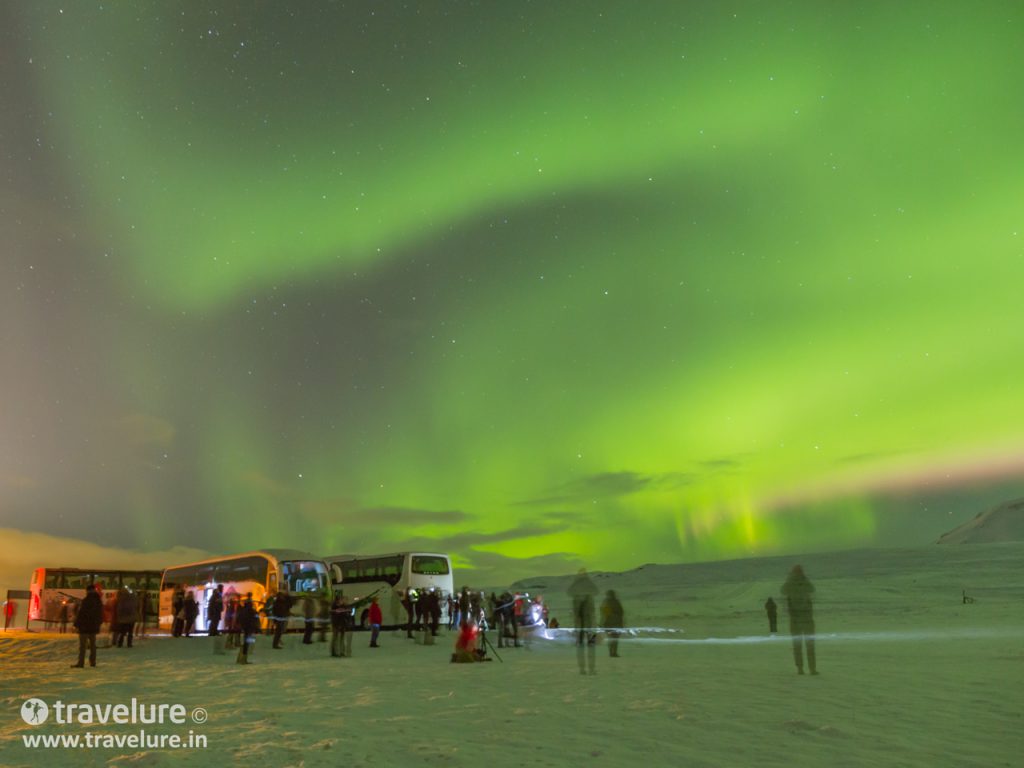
(797, 591)
(280, 610)
(63, 617)
(612, 619)
(409, 603)
(178, 611)
(127, 612)
(773, 615)
(508, 628)
(434, 607)
(191, 611)
(582, 591)
(231, 609)
(88, 622)
(249, 624)
(214, 609)
(341, 626)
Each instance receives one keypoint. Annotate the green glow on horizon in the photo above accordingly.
(690, 261)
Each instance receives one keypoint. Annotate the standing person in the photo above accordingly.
(110, 618)
(376, 618)
(463, 606)
(309, 614)
(214, 609)
(434, 604)
(231, 608)
(249, 624)
(409, 603)
(507, 626)
(341, 621)
(127, 612)
(63, 616)
(88, 622)
(178, 611)
(582, 592)
(612, 619)
(773, 615)
(191, 611)
(797, 591)
(422, 611)
(141, 612)
(323, 616)
(453, 612)
(280, 610)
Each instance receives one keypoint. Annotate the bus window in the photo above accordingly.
(243, 569)
(77, 580)
(136, 582)
(53, 580)
(109, 580)
(391, 568)
(430, 565)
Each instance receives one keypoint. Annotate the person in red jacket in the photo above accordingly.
(375, 618)
(465, 644)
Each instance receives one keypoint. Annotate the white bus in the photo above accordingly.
(259, 572)
(56, 593)
(391, 576)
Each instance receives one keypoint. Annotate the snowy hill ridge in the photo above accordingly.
(1002, 523)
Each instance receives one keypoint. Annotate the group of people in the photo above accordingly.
(122, 612)
(241, 619)
(582, 591)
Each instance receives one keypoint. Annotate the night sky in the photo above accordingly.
(535, 283)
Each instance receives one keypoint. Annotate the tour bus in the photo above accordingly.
(390, 577)
(260, 572)
(56, 593)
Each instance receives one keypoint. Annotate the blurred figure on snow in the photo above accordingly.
(279, 610)
(249, 623)
(214, 609)
(797, 591)
(191, 611)
(178, 611)
(341, 626)
(773, 615)
(613, 620)
(466, 650)
(127, 612)
(231, 609)
(582, 591)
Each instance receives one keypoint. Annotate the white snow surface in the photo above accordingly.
(910, 676)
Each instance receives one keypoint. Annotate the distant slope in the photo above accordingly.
(1002, 523)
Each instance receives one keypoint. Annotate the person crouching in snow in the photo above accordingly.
(465, 644)
(466, 650)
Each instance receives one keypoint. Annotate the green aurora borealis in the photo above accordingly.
(558, 282)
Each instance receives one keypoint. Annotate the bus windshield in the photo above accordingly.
(304, 575)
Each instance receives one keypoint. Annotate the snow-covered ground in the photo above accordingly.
(910, 676)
